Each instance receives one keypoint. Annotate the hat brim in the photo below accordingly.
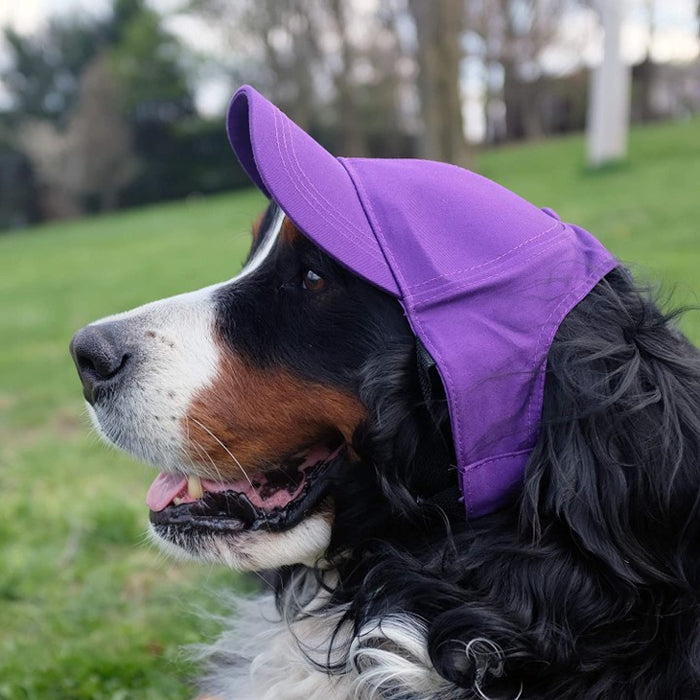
(312, 187)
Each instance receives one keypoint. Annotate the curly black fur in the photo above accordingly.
(589, 582)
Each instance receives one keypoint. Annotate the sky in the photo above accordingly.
(675, 37)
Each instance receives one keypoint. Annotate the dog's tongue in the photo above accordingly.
(164, 489)
(265, 492)
(168, 487)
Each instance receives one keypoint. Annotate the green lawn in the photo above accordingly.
(88, 609)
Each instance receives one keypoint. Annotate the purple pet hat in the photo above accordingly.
(485, 278)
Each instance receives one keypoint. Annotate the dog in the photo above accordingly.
(303, 427)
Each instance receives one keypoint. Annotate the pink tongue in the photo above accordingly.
(167, 487)
(164, 489)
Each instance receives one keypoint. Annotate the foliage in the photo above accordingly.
(93, 90)
(44, 70)
(18, 196)
(185, 158)
(100, 143)
(43, 76)
(92, 155)
(88, 610)
(146, 61)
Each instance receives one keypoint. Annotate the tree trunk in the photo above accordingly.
(109, 198)
(351, 139)
(512, 99)
(608, 116)
(533, 125)
(645, 85)
(439, 27)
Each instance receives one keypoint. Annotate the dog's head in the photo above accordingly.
(400, 339)
(251, 396)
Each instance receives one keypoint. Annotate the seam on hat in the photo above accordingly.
(456, 273)
(475, 466)
(465, 284)
(572, 297)
(471, 469)
(326, 209)
(366, 206)
(326, 213)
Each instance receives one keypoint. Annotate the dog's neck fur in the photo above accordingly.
(263, 656)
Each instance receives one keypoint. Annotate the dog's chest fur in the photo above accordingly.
(262, 657)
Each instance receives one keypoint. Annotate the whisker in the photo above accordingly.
(201, 450)
(233, 457)
(226, 449)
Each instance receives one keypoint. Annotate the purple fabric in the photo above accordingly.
(485, 277)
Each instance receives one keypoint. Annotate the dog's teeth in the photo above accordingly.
(177, 501)
(194, 486)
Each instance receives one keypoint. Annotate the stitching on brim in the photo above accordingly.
(326, 213)
(338, 216)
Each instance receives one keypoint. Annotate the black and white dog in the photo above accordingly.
(288, 410)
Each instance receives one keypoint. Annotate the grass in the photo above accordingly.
(88, 609)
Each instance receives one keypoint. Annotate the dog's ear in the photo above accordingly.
(617, 463)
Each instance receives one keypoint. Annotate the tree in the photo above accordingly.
(92, 157)
(145, 59)
(439, 28)
(109, 88)
(352, 141)
(49, 153)
(331, 65)
(18, 196)
(43, 77)
(43, 72)
(283, 35)
(99, 139)
(645, 72)
(517, 32)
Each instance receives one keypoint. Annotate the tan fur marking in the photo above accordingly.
(251, 418)
(290, 234)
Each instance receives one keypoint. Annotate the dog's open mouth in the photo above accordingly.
(273, 500)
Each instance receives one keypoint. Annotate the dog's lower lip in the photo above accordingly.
(232, 512)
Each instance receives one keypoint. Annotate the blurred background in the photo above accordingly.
(117, 186)
(108, 105)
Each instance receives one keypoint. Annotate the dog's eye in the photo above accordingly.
(313, 282)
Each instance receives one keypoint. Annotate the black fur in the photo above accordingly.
(589, 581)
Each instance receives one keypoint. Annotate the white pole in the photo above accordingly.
(609, 104)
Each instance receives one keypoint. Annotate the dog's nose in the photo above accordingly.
(100, 355)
